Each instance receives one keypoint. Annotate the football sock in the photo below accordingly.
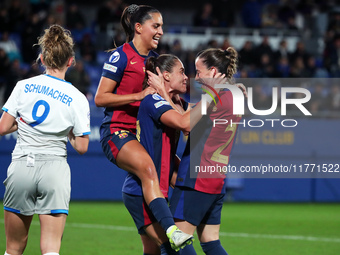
(188, 250)
(213, 248)
(51, 253)
(160, 209)
(167, 250)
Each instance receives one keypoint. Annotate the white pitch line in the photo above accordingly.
(229, 234)
(283, 237)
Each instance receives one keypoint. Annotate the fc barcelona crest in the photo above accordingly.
(123, 135)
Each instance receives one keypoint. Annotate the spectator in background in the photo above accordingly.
(283, 67)
(4, 65)
(50, 20)
(17, 15)
(190, 66)
(10, 47)
(282, 51)
(300, 51)
(212, 44)
(297, 69)
(76, 22)
(79, 78)
(31, 32)
(4, 19)
(107, 14)
(87, 49)
(311, 67)
(74, 18)
(41, 7)
(334, 22)
(176, 49)
(269, 16)
(286, 12)
(14, 75)
(247, 55)
(251, 14)
(204, 17)
(266, 68)
(332, 57)
(225, 12)
(225, 44)
(34, 70)
(4, 70)
(263, 48)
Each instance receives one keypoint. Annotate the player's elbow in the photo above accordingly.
(2, 131)
(82, 149)
(81, 144)
(98, 101)
(185, 126)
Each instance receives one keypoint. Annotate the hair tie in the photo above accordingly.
(132, 9)
(227, 53)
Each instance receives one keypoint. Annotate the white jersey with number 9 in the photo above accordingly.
(46, 108)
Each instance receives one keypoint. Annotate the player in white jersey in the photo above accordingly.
(45, 110)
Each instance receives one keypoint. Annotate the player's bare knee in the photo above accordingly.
(149, 173)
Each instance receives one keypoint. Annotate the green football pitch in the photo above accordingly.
(247, 228)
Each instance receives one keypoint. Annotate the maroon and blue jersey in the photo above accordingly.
(158, 140)
(208, 148)
(127, 67)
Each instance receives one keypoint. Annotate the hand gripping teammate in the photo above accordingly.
(120, 92)
(196, 203)
(45, 110)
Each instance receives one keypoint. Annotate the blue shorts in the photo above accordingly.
(112, 144)
(196, 207)
(140, 212)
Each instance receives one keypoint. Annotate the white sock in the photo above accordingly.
(51, 253)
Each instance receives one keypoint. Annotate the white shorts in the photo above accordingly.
(42, 188)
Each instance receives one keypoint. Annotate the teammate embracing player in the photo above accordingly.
(197, 200)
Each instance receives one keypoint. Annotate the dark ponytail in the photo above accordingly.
(224, 60)
(164, 62)
(135, 14)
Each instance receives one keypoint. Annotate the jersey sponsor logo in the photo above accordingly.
(114, 57)
(132, 63)
(157, 97)
(110, 68)
(160, 103)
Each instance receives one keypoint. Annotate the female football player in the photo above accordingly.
(197, 200)
(120, 92)
(45, 110)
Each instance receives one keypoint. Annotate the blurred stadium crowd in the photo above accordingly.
(95, 28)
